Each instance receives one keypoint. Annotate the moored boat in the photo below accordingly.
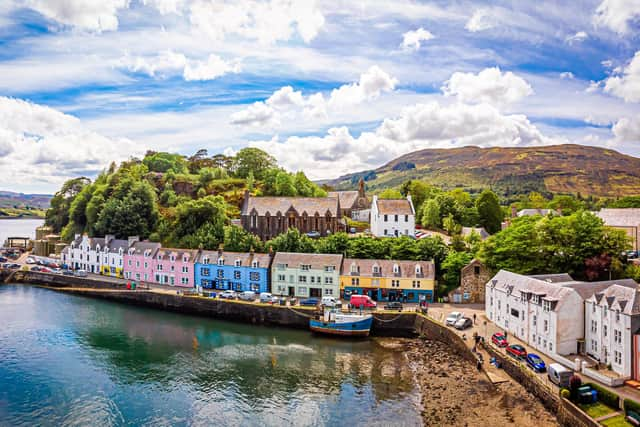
(348, 325)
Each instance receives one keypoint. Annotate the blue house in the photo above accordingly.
(238, 271)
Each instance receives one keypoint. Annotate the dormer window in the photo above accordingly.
(120, 251)
(185, 258)
(418, 270)
(205, 260)
(172, 258)
(396, 269)
(221, 261)
(376, 269)
(255, 264)
(238, 263)
(131, 251)
(106, 249)
(355, 268)
(159, 257)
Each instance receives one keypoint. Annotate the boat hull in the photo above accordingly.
(359, 328)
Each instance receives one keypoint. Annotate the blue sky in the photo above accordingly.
(328, 87)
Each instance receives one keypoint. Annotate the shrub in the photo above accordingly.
(575, 382)
(631, 405)
(605, 396)
(565, 393)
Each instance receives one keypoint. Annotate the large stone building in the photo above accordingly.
(626, 219)
(267, 217)
(393, 217)
(354, 204)
(473, 278)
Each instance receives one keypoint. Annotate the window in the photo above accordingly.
(172, 268)
(184, 280)
(617, 316)
(395, 283)
(146, 264)
(281, 277)
(396, 269)
(328, 291)
(254, 276)
(236, 275)
(185, 269)
(604, 311)
(476, 270)
(376, 269)
(535, 319)
(550, 346)
(618, 357)
(515, 313)
(238, 263)
(221, 261)
(385, 220)
(172, 258)
(385, 232)
(291, 278)
(395, 218)
(594, 326)
(159, 267)
(416, 283)
(328, 280)
(255, 287)
(546, 325)
(205, 271)
(491, 303)
(220, 273)
(617, 336)
(205, 260)
(282, 266)
(255, 264)
(406, 218)
(302, 290)
(604, 330)
(137, 276)
(593, 308)
(305, 267)
(302, 279)
(129, 263)
(354, 268)
(329, 268)
(146, 277)
(355, 281)
(254, 221)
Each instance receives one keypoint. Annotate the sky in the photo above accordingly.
(327, 87)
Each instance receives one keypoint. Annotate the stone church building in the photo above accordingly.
(267, 217)
(354, 204)
(473, 279)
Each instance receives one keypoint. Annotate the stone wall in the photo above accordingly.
(424, 326)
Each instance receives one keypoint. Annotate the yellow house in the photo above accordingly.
(388, 280)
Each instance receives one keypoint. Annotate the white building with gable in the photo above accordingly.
(393, 217)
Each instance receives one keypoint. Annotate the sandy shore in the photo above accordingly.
(454, 393)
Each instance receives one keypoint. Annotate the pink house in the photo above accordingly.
(174, 267)
(139, 261)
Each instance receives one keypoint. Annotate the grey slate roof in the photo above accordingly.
(466, 231)
(316, 261)
(245, 258)
(626, 299)
(275, 205)
(139, 248)
(624, 217)
(553, 278)
(531, 212)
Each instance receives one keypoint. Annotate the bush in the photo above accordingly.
(575, 382)
(565, 393)
(605, 396)
(631, 405)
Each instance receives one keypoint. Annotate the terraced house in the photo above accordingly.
(99, 255)
(175, 267)
(138, 261)
(238, 271)
(306, 275)
(388, 280)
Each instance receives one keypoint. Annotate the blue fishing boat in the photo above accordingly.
(348, 325)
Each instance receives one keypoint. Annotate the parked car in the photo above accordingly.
(499, 339)
(45, 270)
(53, 265)
(393, 305)
(559, 375)
(57, 271)
(266, 298)
(3, 259)
(10, 266)
(536, 363)
(452, 318)
(30, 260)
(329, 301)
(228, 295)
(313, 234)
(247, 296)
(463, 323)
(81, 273)
(67, 273)
(362, 301)
(517, 351)
(309, 301)
(632, 254)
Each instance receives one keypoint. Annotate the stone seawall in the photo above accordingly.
(429, 328)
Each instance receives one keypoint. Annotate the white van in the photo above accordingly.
(247, 296)
(266, 297)
(81, 273)
(330, 301)
(559, 375)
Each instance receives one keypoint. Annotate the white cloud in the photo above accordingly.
(166, 7)
(411, 39)
(616, 14)
(627, 129)
(371, 84)
(96, 15)
(626, 83)
(567, 75)
(578, 37)
(421, 126)
(169, 63)
(488, 86)
(481, 20)
(286, 101)
(39, 143)
(213, 68)
(265, 21)
(607, 63)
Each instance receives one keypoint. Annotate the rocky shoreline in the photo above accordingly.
(454, 393)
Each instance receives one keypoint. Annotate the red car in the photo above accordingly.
(517, 351)
(499, 339)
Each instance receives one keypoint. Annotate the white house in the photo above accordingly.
(99, 255)
(612, 317)
(546, 312)
(392, 217)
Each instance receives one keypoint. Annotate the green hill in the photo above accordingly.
(568, 169)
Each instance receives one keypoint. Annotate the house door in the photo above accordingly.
(315, 292)
(292, 291)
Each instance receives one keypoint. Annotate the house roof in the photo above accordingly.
(317, 261)
(139, 248)
(394, 206)
(407, 268)
(624, 217)
(587, 289)
(95, 241)
(466, 231)
(531, 212)
(275, 205)
(116, 244)
(553, 278)
(619, 297)
(178, 253)
(347, 198)
(246, 258)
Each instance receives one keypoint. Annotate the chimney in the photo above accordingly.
(108, 238)
(361, 188)
(251, 251)
(133, 239)
(220, 249)
(270, 251)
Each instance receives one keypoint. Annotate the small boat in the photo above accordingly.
(348, 325)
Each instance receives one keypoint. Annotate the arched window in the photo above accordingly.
(376, 269)
(396, 269)
(418, 269)
(255, 264)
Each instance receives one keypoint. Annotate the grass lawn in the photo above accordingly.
(596, 410)
(617, 421)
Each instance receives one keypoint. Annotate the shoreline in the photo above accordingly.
(22, 217)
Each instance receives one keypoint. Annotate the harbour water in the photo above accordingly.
(68, 360)
(18, 228)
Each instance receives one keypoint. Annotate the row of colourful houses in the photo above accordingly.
(283, 273)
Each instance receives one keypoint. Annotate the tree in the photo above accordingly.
(285, 185)
(366, 248)
(199, 223)
(490, 213)
(252, 160)
(57, 216)
(565, 204)
(451, 266)
(236, 239)
(165, 162)
(451, 226)
(337, 243)
(431, 214)
(626, 202)
(390, 193)
(291, 241)
(537, 200)
(403, 247)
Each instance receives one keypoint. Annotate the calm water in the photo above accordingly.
(68, 360)
(18, 228)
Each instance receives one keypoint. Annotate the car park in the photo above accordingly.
(310, 301)
(452, 318)
(463, 323)
(517, 351)
(535, 362)
(393, 305)
(228, 295)
(499, 339)
(36, 268)
(247, 296)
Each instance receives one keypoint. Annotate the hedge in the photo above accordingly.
(605, 396)
(631, 405)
